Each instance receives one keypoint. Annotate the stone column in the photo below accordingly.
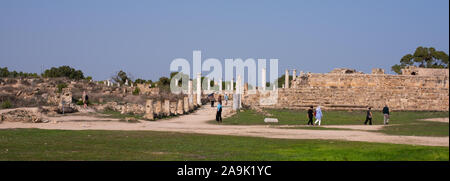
(263, 79)
(149, 110)
(173, 107)
(237, 94)
(286, 79)
(158, 108)
(220, 86)
(180, 106)
(199, 89)
(166, 109)
(186, 104)
(238, 84)
(209, 84)
(190, 90)
(195, 99)
(294, 74)
(232, 85)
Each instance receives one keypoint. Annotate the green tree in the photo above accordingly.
(423, 57)
(164, 81)
(4, 72)
(281, 80)
(64, 71)
(142, 81)
(121, 77)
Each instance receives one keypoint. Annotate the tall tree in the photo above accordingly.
(121, 77)
(423, 57)
(64, 71)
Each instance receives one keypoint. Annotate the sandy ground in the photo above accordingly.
(197, 123)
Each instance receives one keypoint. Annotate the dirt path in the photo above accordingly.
(197, 123)
(442, 120)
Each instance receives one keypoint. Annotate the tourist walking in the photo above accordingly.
(219, 112)
(386, 114)
(85, 98)
(310, 115)
(226, 99)
(211, 99)
(318, 115)
(368, 117)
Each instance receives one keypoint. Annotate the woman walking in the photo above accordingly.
(318, 115)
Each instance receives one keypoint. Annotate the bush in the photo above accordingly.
(6, 105)
(60, 87)
(64, 71)
(80, 102)
(136, 91)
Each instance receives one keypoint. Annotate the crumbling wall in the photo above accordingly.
(359, 91)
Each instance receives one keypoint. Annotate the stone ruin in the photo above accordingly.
(348, 89)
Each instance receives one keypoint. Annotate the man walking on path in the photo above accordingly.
(368, 117)
(219, 112)
(318, 115)
(386, 114)
(310, 115)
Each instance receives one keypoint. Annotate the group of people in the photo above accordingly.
(385, 115)
(317, 113)
(314, 113)
(219, 105)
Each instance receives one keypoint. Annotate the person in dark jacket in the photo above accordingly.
(212, 99)
(310, 115)
(219, 112)
(368, 117)
(386, 114)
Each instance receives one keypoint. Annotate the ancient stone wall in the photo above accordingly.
(359, 91)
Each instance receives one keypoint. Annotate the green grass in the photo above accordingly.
(36, 144)
(405, 122)
(418, 128)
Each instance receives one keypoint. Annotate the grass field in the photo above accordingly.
(405, 123)
(36, 144)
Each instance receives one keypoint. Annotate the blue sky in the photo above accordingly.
(101, 37)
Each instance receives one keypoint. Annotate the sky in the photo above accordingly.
(142, 37)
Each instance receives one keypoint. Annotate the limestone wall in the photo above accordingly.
(358, 91)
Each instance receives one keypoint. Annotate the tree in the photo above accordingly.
(64, 71)
(4, 72)
(121, 77)
(164, 81)
(423, 57)
(281, 80)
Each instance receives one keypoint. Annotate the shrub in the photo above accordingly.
(80, 102)
(136, 91)
(64, 71)
(60, 87)
(6, 105)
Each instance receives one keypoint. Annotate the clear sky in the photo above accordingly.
(101, 37)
